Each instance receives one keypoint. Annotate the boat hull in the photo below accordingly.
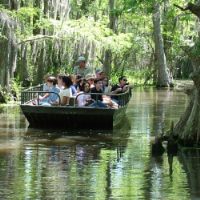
(72, 117)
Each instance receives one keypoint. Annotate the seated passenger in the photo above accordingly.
(49, 98)
(121, 87)
(79, 83)
(59, 81)
(73, 88)
(53, 97)
(106, 98)
(90, 79)
(106, 85)
(66, 92)
(109, 102)
(84, 99)
(100, 74)
(98, 99)
(45, 85)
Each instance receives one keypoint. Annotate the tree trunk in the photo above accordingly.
(22, 67)
(112, 16)
(161, 64)
(40, 66)
(166, 37)
(36, 30)
(3, 63)
(107, 65)
(107, 62)
(188, 127)
(9, 54)
(14, 4)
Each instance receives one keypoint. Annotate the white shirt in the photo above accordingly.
(65, 93)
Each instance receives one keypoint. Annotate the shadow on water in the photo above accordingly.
(190, 159)
(41, 164)
(112, 139)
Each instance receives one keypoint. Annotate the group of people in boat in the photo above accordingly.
(88, 89)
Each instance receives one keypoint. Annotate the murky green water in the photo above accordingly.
(36, 164)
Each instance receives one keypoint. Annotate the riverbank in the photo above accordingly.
(183, 85)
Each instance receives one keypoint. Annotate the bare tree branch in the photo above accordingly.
(181, 8)
(39, 37)
(193, 8)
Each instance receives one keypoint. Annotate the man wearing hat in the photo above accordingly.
(100, 74)
(81, 69)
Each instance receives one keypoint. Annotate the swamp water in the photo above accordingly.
(38, 164)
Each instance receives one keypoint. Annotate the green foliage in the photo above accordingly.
(25, 16)
(136, 78)
(95, 32)
(10, 94)
(196, 49)
(87, 32)
(26, 13)
(15, 89)
(43, 24)
(3, 95)
(2, 7)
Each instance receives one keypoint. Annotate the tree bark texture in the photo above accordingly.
(107, 65)
(8, 54)
(188, 127)
(107, 62)
(22, 64)
(161, 64)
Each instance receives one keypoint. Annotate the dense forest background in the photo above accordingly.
(146, 40)
(150, 41)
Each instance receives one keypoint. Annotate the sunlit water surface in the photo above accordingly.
(36, 164)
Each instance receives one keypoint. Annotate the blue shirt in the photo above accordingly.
(45, 87)
(73, 88)
(53, 97)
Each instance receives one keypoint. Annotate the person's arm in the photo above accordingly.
(116, 91)
(43, 97)
(125, 88)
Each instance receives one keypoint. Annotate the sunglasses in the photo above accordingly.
(124, 79)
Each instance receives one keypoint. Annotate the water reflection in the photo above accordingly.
(190, 159)
(36, 164)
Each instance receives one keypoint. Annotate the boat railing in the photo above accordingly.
(34, 88)
(28, 96)
(121, 99)
(33, 93)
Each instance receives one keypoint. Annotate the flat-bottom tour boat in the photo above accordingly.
(72, 116)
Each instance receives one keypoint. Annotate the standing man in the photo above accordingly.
(82, 69)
